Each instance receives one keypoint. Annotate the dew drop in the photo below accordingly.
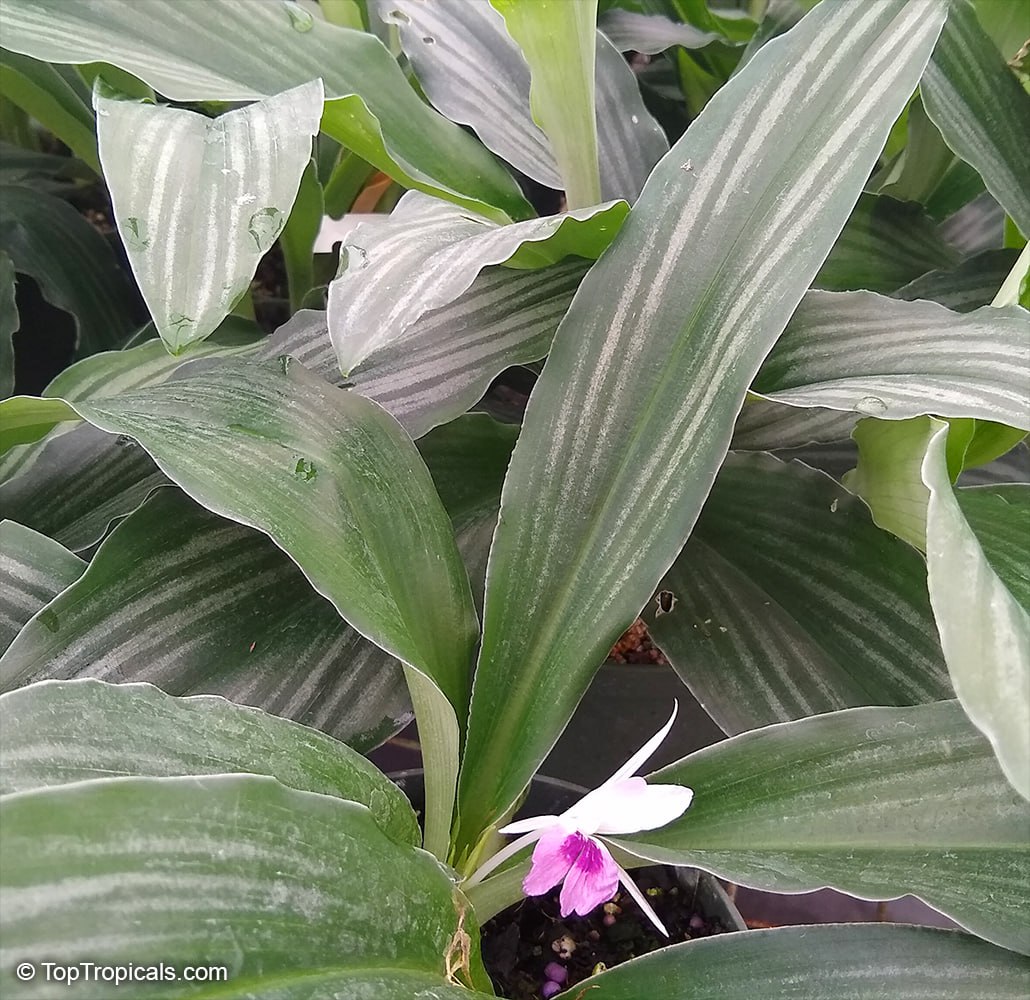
(429, 39)
(300, 19)
(352, 256)
(264, 226)
(135, 234)
(398, 16)
(872, 405)
(305, 470)
(49, 620)
(833, 506)
(634, 119)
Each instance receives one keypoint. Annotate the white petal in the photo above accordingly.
(508, 851)
(631, 887)
(637, 761)
(634, 805)
(533, 823)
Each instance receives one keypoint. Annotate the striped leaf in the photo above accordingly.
(445, 360)
(241, 50)
(559, 43)
(764, 425)
(972, 284)
(788, 601)
(427, 254)
(891, 359)
(60, 732)
(630, 31)
(199, 201)
(71, 262)
(876, 802)
(228, 870)
(474, 72)
(33, 570)
(980, 108)
(857, 961)
(634, 411)
(183, 599)
(9, 322)
(886, 244)
(976, 227)
(79, 484)
(978, 586)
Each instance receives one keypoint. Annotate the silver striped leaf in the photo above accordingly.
(876, 802)
(972, 284)
(199, 201)
(634, 410)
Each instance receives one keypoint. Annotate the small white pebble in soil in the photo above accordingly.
(564, 946)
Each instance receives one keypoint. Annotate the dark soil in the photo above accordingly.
(636, 646)
(520, 943)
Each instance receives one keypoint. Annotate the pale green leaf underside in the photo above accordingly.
(188, 53)
(985, 631)
(427, 254)
(9, 322)
(472, 70)
(633, 413)
(887, 358)
(650, 34)
(559, 42)
(981, 109)
(876, 802)
(233, 870)
(33, 570)
(196, 604)
(856, 961)
(791, 602)
(198, 201)
(60, 732)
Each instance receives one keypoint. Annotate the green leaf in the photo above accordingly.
(559, 42)
(764, 425)
(972, 284)
(474, 72)
(981, 608)
(990, 441)
(9, 323)
(923, 164)
(45, 94)
(34, 569)
(73, 264)
(28, 418)
(225, 612)
(299, 234)
(981, 110)
(41, 171)
(789, 601)
(885, 244)
(891, 359)
(199, 201)
(427, 254)
(634, 411)
(440, 365)
(182, 53)
(859, 961)
(876, 802)
(1007, 23)
(978, 226)
(60, 732)
(229, 870)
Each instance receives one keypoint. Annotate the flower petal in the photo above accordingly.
(634, 805)
(637, 761)
(498, 859)
(591, 881)
(631, 887)
(526, 825)
(553, 856)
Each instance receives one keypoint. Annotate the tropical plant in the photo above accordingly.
(780, 416)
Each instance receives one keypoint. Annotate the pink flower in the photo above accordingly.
(569, 850)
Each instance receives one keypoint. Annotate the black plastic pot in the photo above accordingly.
(625, 705)
(552, 796)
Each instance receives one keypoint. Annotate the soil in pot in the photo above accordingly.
(529, 945)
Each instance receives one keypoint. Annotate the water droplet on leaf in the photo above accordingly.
(429, 40)
(398, 16)
(305, 470)
(300, 19)
(872, 405)
(264, 226)
(352, 256)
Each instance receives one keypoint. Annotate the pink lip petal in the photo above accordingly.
(591, 881)
(553, 856)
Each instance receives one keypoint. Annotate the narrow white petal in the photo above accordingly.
(634, 805)
(532, 823)
(631, 887)
(638, 759)
(508, 851)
